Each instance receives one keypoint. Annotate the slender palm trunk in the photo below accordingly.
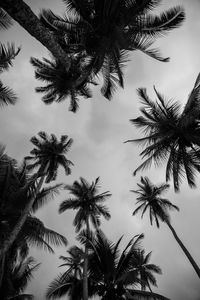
(14, 233)
(85, 266)
(2, 269)
(187, 253)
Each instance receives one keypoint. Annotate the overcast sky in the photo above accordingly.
(99, 129)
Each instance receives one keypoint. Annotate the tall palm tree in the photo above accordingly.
(107, 30)
(48, 154)
(170, 135)
(7, 54)
(89, 205)
(116, 275)
(149, 199)
(13, 180)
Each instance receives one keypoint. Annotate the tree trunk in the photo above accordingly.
(22, 13)
(193, 263)
(14, 233)
(2, 269)
(85, 266)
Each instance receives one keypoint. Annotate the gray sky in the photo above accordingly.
(99, 129)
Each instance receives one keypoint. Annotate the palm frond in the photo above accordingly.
(159, 25)
(7, 96)
(5, 19)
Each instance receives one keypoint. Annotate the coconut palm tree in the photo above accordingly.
(48, 154)
(170, 135)
(60, 82)
(13, 180)
(18, 274)
(149, 199)
(89, 205)
(107, 30)
(116, 275)
(7, 54)
(71, 281)
(145, 270)
(74, 262)
(111, 275)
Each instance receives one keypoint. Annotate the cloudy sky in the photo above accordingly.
(99, 129)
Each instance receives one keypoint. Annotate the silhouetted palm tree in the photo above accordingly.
(145, 270)
(89, 205)
(170, 135)
(71, 281)
(18, 274)
(13, 190)
(150, 199)
(106, 30)
(74, 262)
(60, 82)
(111, 275)
(116, 275)
(48, 154)
(7, 54)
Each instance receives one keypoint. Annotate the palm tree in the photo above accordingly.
(116, 275)
(149, 198)
(145, 270)
(110, 274)
(89, 205)
(13, 180)
(48, 154)
(74, 261)
(60, 82)
(7, 54)
(107, 30)
(170, 135)
(71, 281)
(18, 275)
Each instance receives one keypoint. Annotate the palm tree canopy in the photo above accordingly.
(106, 30)
(88, 201)
(49, 153)
(60, 82)
(74, 261)
(149, 199)
(145, 269)
(170, 135)
(114, 273)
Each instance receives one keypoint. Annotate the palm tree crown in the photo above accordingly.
(49, 153)
(60, 82)
(149, 198)
(170, 135)
(105, 30)
(87, 201)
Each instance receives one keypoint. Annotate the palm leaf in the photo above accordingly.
(7, 96)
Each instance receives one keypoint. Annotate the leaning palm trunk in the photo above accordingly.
(22, 13)
(187, 253)
(85, 266)
(14, 233)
